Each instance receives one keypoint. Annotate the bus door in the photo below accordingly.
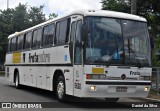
(77, 54)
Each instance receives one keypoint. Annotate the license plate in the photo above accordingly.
(121, 89)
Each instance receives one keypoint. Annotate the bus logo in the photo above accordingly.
(123, 76)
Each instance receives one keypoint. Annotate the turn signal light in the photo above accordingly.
(96, 76)
(88, 76)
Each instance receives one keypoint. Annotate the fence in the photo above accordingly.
(155, 79)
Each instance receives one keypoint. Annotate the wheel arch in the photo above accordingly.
(15, 72)
(57, 73)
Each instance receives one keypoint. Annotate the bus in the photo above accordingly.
(87, 53)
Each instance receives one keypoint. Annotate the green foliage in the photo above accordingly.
(2, 73)
(36, 15)
(115, 5)
(53, 15)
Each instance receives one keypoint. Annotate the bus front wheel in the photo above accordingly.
(60, 89)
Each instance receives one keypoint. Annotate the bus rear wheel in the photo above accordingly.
(17, 85)
(60, 89)
(111, 99)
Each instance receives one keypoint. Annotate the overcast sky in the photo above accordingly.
(59, 7)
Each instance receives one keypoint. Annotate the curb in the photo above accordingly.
(151, 99)
(148, 99)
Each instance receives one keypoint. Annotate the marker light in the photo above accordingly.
(146, 88)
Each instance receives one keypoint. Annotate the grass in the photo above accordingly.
(154, 91)
(2, 73)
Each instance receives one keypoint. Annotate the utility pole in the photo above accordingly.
(7, 4)
(134, 7)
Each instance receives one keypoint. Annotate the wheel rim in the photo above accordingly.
(16, 81)
(60, 89)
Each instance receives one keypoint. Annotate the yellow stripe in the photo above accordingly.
(98, 70)
(17, 57)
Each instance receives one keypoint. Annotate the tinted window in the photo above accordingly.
(34, 43)
(39, 37)
(20, 42)
(78, 43)
(13, 44)
(28, 40)
(9, 42)
(73, 32)
(62, 31)
(48, 34)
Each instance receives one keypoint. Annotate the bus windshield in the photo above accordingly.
(113, 41)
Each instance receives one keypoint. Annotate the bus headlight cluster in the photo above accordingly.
(95, 76)
(93, 88)
(144, 78)
(146, 88)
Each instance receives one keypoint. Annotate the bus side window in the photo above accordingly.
(9, 46)
(13, 44)
(24, 41)
(78, 44)
(20, 43)
(34, 40)
(28, 40)
(39, 37)
(51, 31)
(62, 31)
(16, 43)
(48, 34)
(72, 36)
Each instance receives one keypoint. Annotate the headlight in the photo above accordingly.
(95, 76)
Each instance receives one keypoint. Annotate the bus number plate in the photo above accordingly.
(121, 89)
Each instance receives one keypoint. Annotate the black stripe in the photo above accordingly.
(38, 65)
(116, 83)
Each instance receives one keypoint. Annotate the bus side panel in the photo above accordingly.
(68, 73)
(9, 70)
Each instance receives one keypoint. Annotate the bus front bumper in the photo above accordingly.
(114, 89)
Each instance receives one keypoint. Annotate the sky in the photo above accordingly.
(60, 7)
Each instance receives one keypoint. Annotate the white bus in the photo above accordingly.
(88, 53)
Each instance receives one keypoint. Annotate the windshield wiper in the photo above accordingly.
(134, 54)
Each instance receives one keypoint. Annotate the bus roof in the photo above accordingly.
(104, 13)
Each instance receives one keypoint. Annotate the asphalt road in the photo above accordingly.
(8, 93)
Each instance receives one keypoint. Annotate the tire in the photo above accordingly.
(111, 99)
(17, 85)
(60, 89)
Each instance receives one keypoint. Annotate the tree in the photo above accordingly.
(15, 20)
(36, 15)
(20, 19)
(115, 5)
(53, 15)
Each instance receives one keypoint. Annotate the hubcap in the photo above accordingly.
(60, 89)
